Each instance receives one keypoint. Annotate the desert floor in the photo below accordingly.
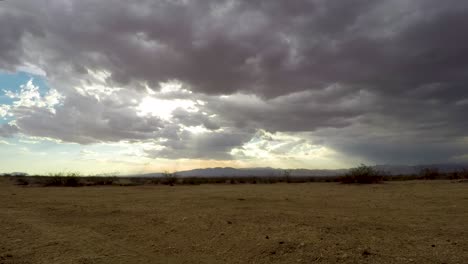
(397, 222)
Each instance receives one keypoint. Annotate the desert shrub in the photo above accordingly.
(71, 181)
(459, 175)
(99, 180)
(190, 181)
(362, 174)
(52, 181)
(287, 176)
(60, 179)
(455, 175)
(464, 174)
(202, 180)
(218, 180)
(429, 173)
(401, 177)
(154, 181)
(22, 181)
(169, 178)
(105, 180)
(136, 180)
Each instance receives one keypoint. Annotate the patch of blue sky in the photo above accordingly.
(13, 81)
(6, 119)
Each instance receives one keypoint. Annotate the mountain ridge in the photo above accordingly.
(276, 172)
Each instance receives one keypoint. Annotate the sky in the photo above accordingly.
(116, 86)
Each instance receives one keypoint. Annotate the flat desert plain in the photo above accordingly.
(394, 222)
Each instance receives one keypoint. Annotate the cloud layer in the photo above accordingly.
(384, 80)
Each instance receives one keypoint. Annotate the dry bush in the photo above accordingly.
(362, 174)
(169, 178)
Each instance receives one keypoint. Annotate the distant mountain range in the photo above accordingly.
(249, 172)
(275, 172)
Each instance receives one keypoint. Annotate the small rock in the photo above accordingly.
(281, 242)
(302, 244)
(229, 222)
(366, 253)
(432, 245)
(273, 252)
(267, 237)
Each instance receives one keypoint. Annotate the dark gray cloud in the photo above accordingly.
(267, 47)
(15, 25)
(216, 145)
(85, 120)
(7, 130)
(372, 74)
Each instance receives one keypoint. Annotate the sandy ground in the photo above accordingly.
(399, 222)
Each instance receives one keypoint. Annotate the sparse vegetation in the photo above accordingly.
(22, 180)
(459, 175)
(169, 178)
(63, 179)
(287, 175)
(99, 180)
(363, 175)
(429, 173)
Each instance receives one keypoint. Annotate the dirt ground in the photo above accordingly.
(397, 222)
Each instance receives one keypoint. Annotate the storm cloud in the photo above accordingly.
(383, 80)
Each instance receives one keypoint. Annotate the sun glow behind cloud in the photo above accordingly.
(287, 151)
(164, 108)
(131, 156)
